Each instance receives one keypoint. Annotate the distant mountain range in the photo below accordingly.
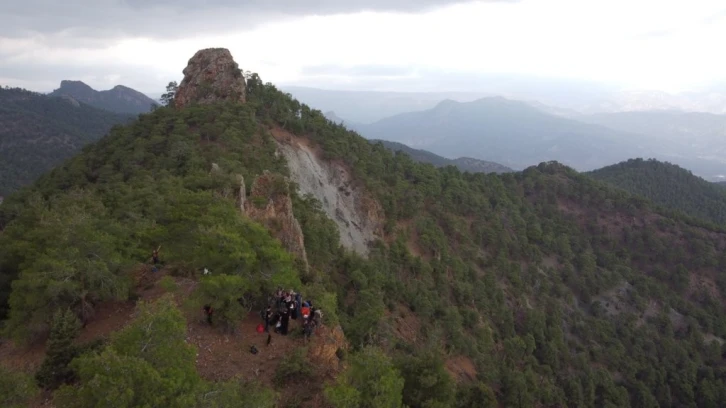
(668, 185)
(560, 97)
(694, 140)
(119, 99)
(367, 107)
(519, 134)
(512, 133)
(463, 163)
(38, 132)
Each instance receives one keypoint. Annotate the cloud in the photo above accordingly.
(172, 19)
(357, 70)
(45, 76)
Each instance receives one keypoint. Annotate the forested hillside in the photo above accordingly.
(668, 185)
(539, 288)
(695, 140)
(38, 132)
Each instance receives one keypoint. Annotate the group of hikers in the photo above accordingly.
(286, 305)
(282, 306)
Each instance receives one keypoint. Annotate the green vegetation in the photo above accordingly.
(149, 363)
(60, 351)
(293, 366)
(670, 186)
(558, 289)
(16, 388)
(371, 381)
(39, 132)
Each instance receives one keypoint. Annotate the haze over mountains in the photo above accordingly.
(567, 98)
(119, 99)
(518, 134)
(508, 132)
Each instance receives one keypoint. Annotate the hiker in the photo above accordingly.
(306, 312)
(155, 255)
(268, 318)
(307, 328)
(285, 321)
(276, 321)
(293, 309)
(278, 297)
(317, 316)
(208, 310)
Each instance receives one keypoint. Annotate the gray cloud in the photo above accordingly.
(556, 91)
(45, 78)
(176, 18)
(357, 70)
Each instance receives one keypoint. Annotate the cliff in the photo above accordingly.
(270, 204)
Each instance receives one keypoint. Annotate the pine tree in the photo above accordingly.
(55, 369)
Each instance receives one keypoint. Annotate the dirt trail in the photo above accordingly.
(223, 356)
(220, 356)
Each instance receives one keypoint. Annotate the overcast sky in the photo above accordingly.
(365, 44)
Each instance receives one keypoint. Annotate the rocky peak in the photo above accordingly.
(211, 75)
(75, 88)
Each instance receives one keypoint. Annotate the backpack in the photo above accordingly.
(260, 328)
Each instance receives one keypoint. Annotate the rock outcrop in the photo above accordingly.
(325, 348)
(270, 204)
(358, 216)
(211, 75)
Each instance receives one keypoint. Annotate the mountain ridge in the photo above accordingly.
(668, 185)
(119, 99)
(462, 163)
(505, 131)
(695, 140)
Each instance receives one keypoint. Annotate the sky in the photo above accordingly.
(423, 45)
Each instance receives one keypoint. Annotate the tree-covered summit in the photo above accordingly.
(668, 185)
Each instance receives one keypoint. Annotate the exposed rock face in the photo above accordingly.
(359, 218)
(323, 351)
(270, 204)
(210, 76)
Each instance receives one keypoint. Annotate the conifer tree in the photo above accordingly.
(55, 369)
